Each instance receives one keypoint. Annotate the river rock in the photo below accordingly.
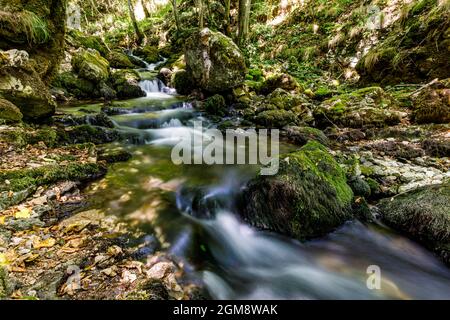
(308, 197)
(72, 84)
(126, 83)
(367, 107)
(90, 65)
(149, 53)
(301, 135)
(214, 61)
(424, 215)
(119, 60)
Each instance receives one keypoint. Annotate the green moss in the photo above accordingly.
(89, 65)
(148, 53)
(308, 197)
(78, 39)
(79, 87)
(26, 178)
(276, 118)
(182, 82)
(9, 112)
(215, 105)
(5, 285)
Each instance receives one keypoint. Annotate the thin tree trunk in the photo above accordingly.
(139, 34)
(201, 22)
(227, 17)
(175, 13)
(146, 12)
(244, 19)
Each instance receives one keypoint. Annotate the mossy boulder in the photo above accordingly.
(38, 27)
(215, 105)
(77, 86)
(149, 53)
(283, 81)
(119, 60)
(365, 107)
(90, 65)
(77, 39)
(22, 85)
(126, 83)
(432, 104)
(301, 135)
(182, 82)
(308, 197)
(276, 118)
(9, 112)
(214, 61)
(424, 215)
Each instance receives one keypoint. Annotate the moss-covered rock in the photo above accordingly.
(283, 81)
(214, 61)
(432, 104)
(126, 83)
(22, 85)
(5, 283)
(9, 112)
(77, 39)
(36, 26)
(77, 86)
(215, 105)
(26, 178)
(308, 197)
(149, 53)
(276, 118)
(119, 60)
(370, 106)
(423, 214)
(90, 65)
(93, 134)
(301, 135)
(112, 155)
(182, 82)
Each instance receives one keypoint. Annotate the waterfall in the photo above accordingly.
(150, 87)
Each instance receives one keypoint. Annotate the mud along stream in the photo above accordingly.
(191, 208)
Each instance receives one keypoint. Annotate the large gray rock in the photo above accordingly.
(423, 214)
(214, 61)
(90, 65)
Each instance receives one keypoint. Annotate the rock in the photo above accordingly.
(165, 75)
(94, 134)
(214, 61)
(432, 104)
(38, 26)
(276, 118)
(119, 60)
(148, 53)
(437, 145)
(307, 198)
(283, 81)
(77, 86)
(9, 112)
(424, 215)
(301, 135)
(359, 187)
(97, 119)
(22, 85)
(367, 107)
(118, 154)
(77, 39)
(126, 83)
(215, 105)
(182, 82)
(90, 65)
(106, 91)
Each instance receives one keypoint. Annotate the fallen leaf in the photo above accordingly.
(23, 214)
(3, 260)
(47, 243)
(2, 220)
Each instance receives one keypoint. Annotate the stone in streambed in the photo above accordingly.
(9, 112)
(424, 215)
(126, 84)
(213, 61)
(308, 197)
(90, 65)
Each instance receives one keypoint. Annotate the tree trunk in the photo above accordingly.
(146, 12)
(244, 19)
(227, 17)
(201, 22)
(139, 34)
(175, 13)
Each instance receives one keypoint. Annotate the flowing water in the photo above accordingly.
(192, 208)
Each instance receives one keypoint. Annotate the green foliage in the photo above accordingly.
(25, 23)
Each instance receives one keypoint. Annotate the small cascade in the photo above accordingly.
(150, 87)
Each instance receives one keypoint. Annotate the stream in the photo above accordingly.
(192, 207)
